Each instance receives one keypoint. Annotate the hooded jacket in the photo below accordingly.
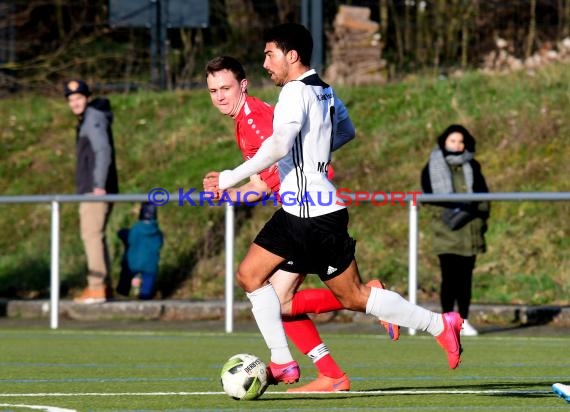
(145, 239)
(95, 149)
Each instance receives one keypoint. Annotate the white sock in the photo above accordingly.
(266, 310)
(391, 307)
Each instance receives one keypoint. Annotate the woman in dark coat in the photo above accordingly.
(459, 229)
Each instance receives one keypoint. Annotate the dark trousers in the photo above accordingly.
(456, 282)
(148, 279)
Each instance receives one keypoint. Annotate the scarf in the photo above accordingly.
(440, 173)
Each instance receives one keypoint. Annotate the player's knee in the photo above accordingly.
(242, 280)
(247, 280)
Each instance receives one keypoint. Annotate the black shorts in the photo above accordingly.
(319, 245)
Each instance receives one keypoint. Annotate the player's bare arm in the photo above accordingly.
(249, 192)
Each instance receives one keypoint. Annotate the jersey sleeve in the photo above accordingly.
(290, 111)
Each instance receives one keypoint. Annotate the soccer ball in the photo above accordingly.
(244, 377)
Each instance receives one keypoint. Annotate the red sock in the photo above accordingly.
(314, 301)
(302, 332)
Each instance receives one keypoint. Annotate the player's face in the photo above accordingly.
(77, 103)
(276, 64)
(226, 92)
(454, 142)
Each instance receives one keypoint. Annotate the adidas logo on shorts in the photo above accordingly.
(331, 270)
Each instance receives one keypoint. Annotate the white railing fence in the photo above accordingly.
(412, 201)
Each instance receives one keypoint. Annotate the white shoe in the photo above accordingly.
(468, 329)
(562, 390)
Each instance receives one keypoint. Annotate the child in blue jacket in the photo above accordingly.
(142, 242)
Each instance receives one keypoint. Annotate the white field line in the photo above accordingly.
(386, 392)
(38, 407)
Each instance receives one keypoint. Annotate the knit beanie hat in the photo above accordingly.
(148, 211)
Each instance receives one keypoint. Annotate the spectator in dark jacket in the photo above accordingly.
(96, 175)
(459, 228)
(142, 253)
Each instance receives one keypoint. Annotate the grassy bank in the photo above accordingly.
(171, 139)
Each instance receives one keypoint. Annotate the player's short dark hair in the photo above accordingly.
(226, 63)
(292, 36)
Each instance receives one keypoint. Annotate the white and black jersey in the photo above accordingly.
(309, 106)
(310, 232)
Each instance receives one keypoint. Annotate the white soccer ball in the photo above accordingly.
(244, 377)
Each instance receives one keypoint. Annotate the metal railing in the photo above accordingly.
(413, 203)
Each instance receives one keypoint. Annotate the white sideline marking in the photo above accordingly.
(427, 392)
(40, 407)
(380, 392)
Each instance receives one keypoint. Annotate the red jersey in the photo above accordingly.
(254, 124)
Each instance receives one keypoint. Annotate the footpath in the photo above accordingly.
(183, 310)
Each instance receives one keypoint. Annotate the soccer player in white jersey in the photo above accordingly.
(253, 120)
(311, 228)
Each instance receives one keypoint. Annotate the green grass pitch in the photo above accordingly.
(94, 370)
